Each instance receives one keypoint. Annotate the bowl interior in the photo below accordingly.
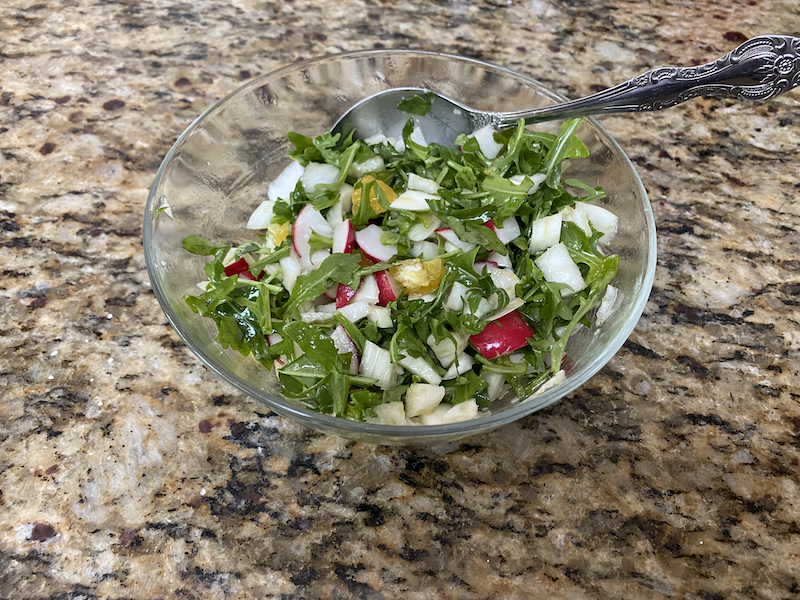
(219, 169)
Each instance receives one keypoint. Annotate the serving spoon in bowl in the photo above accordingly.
(759, 69)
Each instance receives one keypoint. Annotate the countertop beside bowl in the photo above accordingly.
(130, 470)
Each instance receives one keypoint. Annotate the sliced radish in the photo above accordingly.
(381, 317)
(309, 220)
(344, 238)
(369, 241)
(420, 231)
(376, 363)
(420, 367)
(318, 174)
(262, 216)
(464, 364)
(557, 266)
(290, 271)
(355, 311)
(508, 232)
(367, 291)
(449, 236)
(503, 336)
(344, 294)
(422, 398)
(481, 266)
(503, 261)
(545, 232)
(422, 184)
(413, 200)
(336, 213)
(485, 139)
(426, 250)
(283, 185)
(388, 288)
(345, 345)
(242, 268)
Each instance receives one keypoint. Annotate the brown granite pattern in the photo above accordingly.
(127, 470)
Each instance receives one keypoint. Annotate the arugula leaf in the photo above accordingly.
(337, 268)
(465, 387)
(413, 147)
(418, 104)
(335, 392)
(592, 193)
(365, 212)
(567, 145)
(319, 242)
(197, 245)
(318, 347)
(361, 402)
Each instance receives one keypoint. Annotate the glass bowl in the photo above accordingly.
(219, 169)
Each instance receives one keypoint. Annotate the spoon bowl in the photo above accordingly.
(759, 69)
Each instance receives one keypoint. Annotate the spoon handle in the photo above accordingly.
(759, 69)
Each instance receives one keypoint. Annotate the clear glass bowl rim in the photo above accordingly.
(328, 422)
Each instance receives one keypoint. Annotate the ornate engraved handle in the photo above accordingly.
(759, 69)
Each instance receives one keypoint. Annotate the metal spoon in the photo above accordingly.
(759, 69)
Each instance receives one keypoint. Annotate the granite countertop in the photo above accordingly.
(128, 470)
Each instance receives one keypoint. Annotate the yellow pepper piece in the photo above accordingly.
(278, 233)
(418, 277)
(373, 195)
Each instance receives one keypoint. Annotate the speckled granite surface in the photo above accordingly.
(127, 470)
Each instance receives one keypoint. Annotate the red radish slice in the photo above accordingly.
(369, 240)
(388, 288)
(307, 221)
(242, 268)
(344, 238)
(345, 345)
(480, 267)
(508, 232)
(501, 260)
(505, 335)
(343, 295)
(368, 291)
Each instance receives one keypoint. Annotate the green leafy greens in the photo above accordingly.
(282, 314)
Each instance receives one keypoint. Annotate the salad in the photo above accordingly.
(401, 282)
